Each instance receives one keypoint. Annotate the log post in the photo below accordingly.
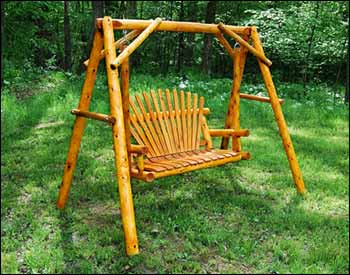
(125, 76)
(233, 109)
(277, 110)
(119, 141)
(79, 123)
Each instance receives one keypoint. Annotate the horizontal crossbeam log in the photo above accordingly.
(258, 98)
(244, 43)
(229, 133)
(92, 115)
(172, 26)
(145, 176)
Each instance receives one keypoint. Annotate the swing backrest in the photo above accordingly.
(167, 123)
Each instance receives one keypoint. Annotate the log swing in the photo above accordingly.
(169, 127)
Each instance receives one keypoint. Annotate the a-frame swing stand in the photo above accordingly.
(105, 47)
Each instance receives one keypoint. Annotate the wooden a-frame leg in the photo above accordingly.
(79, 123)
(125, 76)
(276, 106)
(233, 109)
(119, 141)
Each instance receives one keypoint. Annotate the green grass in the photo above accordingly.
(239, 218)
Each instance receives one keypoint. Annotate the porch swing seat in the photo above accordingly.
(173, 137)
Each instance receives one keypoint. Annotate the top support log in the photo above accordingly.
(172, 26)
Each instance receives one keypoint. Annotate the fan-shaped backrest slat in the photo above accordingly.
(167, 127)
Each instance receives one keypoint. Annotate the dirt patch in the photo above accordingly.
(101, 214)
(218, 265)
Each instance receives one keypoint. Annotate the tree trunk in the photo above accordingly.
(67, 39)
(141, 9)
(2, 40)
(311, 38)
(97, 12)
(347, 76)
(181, 45)
(131, 13)
(131, 9)
(192, 14)
(206, 54)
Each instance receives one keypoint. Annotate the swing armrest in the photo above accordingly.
(140, 151)
(229, 133)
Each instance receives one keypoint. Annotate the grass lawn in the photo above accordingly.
(239, 218)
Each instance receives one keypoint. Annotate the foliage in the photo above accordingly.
(287, 35)
(306, 40)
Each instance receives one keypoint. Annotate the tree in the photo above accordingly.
(310, 41)
(206, 56)
(67, 39)
(347, 74)
(97, 11)
(192, 15)
(2, 39)
(181, 45)
(131, 9)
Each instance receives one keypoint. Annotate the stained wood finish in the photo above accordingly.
(119, 43)
(119, 143)
(79, 123)
(167, 128)
(92, 115)
(172, 26)
(260, 55)
(172, 132)
(259, 98)
(279, 117)
(233, 108)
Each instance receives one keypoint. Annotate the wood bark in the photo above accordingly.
(277, 110)
(206, 54)
(181, 44)
(79, 123)
(131, 9)
(119, 142)
(2, 40)
(309, 46)
(67, 39)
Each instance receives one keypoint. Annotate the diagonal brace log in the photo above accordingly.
(136, 43)
(124, 40)
(245, 44)
(226, 44)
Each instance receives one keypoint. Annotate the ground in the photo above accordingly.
(239, 218)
